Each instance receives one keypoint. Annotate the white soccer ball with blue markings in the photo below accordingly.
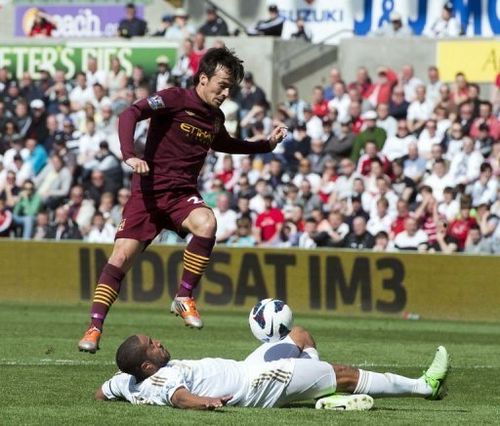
(270, 320)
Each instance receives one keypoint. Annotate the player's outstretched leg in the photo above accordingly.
(201, 222)
(107, 290)
(431, 385)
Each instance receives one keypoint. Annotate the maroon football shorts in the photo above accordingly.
(144, 216)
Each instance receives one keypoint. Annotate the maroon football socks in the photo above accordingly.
(106, 292)
(196, 258)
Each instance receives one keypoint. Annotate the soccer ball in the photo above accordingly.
(270, 320)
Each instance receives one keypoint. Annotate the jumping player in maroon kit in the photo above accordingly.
(184, 125)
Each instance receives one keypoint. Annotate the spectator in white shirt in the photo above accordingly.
(439, 180)
(446, 25)
(411, 238)
(82, 93)
(88, 145)
(449, 207)
(381, 220)
(386, 121)
(100, 99)
(436, 154)
(433, 85)
(101, 231)
(226, 219)
(409, 82)
(484, 190)
(454, 141)
(384, 191)
(396, 146)
(428, 137)
(93, 74)
(443, 122)
(413, 164)
(306, 237)
(341, 101)
(345, 182)
(294, 106)
(419, 111)
(304, 173)
(465, 166)
(314, 124)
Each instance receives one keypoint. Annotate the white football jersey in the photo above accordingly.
(250, 384)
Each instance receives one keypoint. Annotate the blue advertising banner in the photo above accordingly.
(332, 20)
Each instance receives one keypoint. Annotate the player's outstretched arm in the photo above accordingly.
(225, 143)
(182, 398)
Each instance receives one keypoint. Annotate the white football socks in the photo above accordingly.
(388, 384)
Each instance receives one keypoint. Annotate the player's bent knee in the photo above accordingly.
(347, 377)
(202, 222)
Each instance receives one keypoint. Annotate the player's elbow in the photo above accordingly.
(99, 395)
(128, 114)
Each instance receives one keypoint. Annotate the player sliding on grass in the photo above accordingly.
(274, 375)
(185, 125)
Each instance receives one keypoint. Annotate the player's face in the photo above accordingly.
(155, 351)
(215, 90)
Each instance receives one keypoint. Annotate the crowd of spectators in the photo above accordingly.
(391, 161)
(177, 26)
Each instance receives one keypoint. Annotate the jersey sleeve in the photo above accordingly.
(115, 387)
(225, 143)
(170, 381)
(159, 103)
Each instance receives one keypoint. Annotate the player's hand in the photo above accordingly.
(277, 135)
(138, 166)
(213, 403)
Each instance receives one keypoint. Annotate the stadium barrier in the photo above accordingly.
(437, 286)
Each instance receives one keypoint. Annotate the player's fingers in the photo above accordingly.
(143, 168)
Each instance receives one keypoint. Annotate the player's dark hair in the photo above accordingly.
(220, 57)
(130, 355)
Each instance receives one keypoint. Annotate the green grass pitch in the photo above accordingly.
(45, 380)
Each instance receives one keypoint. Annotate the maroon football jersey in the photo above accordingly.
(182, 130)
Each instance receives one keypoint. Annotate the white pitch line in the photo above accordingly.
(76, 362)
(55, 362)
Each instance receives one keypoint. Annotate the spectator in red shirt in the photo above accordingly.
(381, 90)
(319, 103)
(199, 50)
(398, 225)
(460, 91)
(43, 25)
(363, 82)
(460, 227)
(227, 174)
(486, 116)
(355, 114)
(269, 222)
(6, 219)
